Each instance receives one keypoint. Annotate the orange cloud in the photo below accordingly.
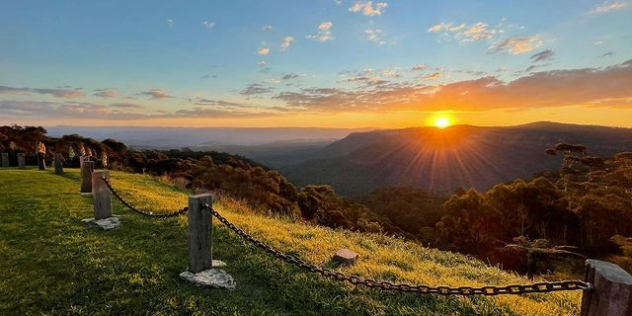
(366, 7)
(518, 45)
(554, 88)
(263, 51)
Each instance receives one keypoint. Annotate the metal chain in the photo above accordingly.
(145, 213)
(541, 287)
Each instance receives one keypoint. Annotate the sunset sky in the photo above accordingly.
(330, 63)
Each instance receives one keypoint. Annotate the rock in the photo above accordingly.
(218, 263)
(346, 256)
(214, 278)
(104, 224)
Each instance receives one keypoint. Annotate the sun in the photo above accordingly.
(442, 122)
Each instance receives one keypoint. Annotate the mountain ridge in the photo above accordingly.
(461, 156)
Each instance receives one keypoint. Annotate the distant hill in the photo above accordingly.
(442, 160)
(209, 138)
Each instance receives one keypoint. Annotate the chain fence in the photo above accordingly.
(139, 211)
(541, 287)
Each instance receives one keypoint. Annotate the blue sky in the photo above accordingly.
(314, 63)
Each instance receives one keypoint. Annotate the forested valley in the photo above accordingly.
(547, 223)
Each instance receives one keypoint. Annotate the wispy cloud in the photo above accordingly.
(496, 37)
(254, 89)
(58, 93)
(287, 41)
(12, 90)
(263, 51)
(224, 103)
(545, 55)
(208, 24)
(266, 28)
(104, 93)
(127, 106)
(367, 8)
(124, 111)
(517, 45)
(289, 76)
(284, 77)
(375, 35)
(157, 94)
(419, 67)
(169, 22)
(324, 32)
(432, 76)
(466, 33)
(61, 93)
(262, 63)
(609, 6)
(338, 2)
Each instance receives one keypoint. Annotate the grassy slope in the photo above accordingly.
(52, 265)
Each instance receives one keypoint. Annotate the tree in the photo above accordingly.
(469, 223)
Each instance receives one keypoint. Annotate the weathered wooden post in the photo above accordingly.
(86, 177)
(5, 160)
(21, 162)
(103, 218)
(41, 162)
(59, 164)
(101, 195)
(202, 268)
(82, 159)
(200, 246)
(612, 290)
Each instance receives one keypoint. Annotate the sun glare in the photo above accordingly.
(442, 122)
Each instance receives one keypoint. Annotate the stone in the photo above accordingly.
(218, 263)
(213, 278)
(103, 224)
(346, 256)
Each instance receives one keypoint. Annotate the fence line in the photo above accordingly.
(607, 288)
(139, 211)
(541, 287)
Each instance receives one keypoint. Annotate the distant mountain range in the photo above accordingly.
(207, 137)
(356, 161)
(442, 160)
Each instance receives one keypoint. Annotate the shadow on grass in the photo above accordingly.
(75, 176)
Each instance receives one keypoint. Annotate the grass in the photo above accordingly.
(53, 265)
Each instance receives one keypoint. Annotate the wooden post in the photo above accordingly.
(82, 159)
(86, 177)
(199, 231)
(41, 162)
(21, 162)
(612, 293)
(101, 195)
(5, 160)
(59, 164)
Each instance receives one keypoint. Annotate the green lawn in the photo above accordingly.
(52, 265)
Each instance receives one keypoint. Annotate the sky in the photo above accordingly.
(320, 63)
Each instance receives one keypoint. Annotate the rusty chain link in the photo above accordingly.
(541, 287)
(145, 213)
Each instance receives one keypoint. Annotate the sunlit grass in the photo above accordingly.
(55, 266)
